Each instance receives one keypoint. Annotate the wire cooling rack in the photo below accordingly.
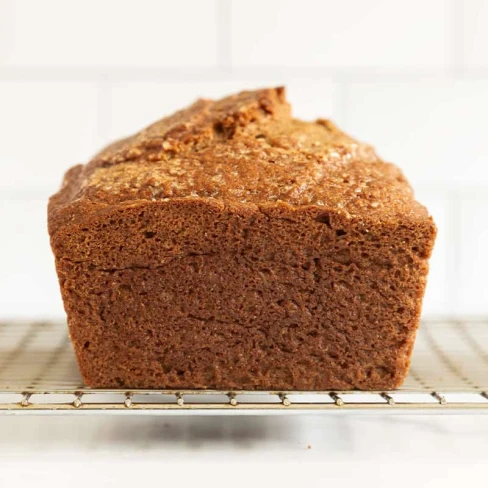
(38, 374)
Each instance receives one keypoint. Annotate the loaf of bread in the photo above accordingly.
(231, 246)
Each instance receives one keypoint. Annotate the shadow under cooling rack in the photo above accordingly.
(38, 374)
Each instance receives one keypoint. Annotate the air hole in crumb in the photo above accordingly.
(149, 234)
(219, 128)
(340, 232)
(324, 219)
(86, 345)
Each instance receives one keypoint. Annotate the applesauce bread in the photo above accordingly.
(232, 246)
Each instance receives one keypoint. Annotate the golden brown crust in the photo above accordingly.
(245, 148)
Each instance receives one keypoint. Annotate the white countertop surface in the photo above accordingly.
(350, 450)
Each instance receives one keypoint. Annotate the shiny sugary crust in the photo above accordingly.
(232, 246)
(243, 149)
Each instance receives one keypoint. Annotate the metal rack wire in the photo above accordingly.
(38, 374)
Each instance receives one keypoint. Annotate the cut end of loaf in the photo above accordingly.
(232, 246)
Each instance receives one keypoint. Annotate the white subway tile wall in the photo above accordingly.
(475, 38)
(28, 283)
(44, 127)
(409, 77)
(431, 128)
(473, 263)
(351, 33)
(112, 33)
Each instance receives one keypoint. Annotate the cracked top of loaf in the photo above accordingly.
(242, 149)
